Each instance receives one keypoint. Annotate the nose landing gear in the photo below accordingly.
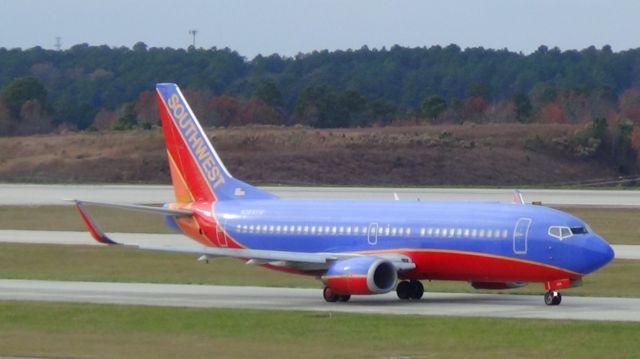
(552, 298)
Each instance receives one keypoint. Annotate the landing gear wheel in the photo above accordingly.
(416, 290)
(403, 290)
(344, 298)
(552, 298)
(329, 295)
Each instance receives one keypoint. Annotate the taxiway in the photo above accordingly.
(28, 194)
(209, 296)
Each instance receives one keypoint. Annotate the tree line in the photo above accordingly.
(101, 87)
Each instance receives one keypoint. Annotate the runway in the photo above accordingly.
(28, 194)
(83, 238)
(208, 296)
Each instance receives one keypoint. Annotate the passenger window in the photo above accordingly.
(422, 231)
(334, 230)
(481, 233)
(356, 230)
(349, 230)
(451, 232)
(436, 232)
(474, 233)
(466, 232)
(458, 232)
(393, 231)
(408, 231)
(489, 233)
(504, 233)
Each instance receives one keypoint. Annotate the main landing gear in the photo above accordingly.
(412, 289)
(332, 297)
(552, 298)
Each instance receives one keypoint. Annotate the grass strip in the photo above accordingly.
(114, 331)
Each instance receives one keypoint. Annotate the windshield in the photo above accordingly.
(564, 232)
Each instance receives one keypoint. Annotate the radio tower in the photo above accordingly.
(193, 33)
(58, 44)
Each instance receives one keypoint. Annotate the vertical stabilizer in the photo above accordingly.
(197, 172)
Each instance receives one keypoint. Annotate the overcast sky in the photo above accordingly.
(288, 27)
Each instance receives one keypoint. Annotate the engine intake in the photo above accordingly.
(361, 275)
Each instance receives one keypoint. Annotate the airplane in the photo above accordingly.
(359, 247)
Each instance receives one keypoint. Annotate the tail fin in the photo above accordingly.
(197, 173)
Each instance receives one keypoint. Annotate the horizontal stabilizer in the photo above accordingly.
(140, 208)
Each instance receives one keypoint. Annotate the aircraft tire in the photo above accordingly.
(552, 298)
(403, 290)
(344, 298)
(416, 290)
(329, 295)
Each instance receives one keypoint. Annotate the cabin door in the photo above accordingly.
(220, 236)
(520, 235)
(372, 234)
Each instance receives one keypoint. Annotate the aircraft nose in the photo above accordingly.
(600, 252)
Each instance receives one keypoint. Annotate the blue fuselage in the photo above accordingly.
(525, 233)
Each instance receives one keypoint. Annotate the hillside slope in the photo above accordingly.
(491, 154)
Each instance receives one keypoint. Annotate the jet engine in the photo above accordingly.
(361, 275)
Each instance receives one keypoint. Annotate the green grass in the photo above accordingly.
(112, 331)
(113, 264)
(67, 218)
(617, 225)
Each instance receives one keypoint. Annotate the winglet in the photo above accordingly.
(517, 197)
(93, 228)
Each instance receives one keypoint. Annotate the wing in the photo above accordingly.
(299, 260)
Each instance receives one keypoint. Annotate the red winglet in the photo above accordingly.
(95, 231)
(517, 197)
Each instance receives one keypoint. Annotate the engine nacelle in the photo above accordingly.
(497, 285)
(361, 275)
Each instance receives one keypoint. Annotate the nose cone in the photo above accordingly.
(599, 253)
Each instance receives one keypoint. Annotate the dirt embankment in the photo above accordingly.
(492, 154)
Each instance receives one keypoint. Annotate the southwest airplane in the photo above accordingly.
(360, 247)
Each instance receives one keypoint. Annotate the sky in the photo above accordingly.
(289, 27)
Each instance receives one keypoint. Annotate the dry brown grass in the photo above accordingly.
(490, 154)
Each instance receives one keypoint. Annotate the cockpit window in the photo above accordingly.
(579, 230)
(561, 232)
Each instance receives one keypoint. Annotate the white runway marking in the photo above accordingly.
(209, 296)
(28, 194)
